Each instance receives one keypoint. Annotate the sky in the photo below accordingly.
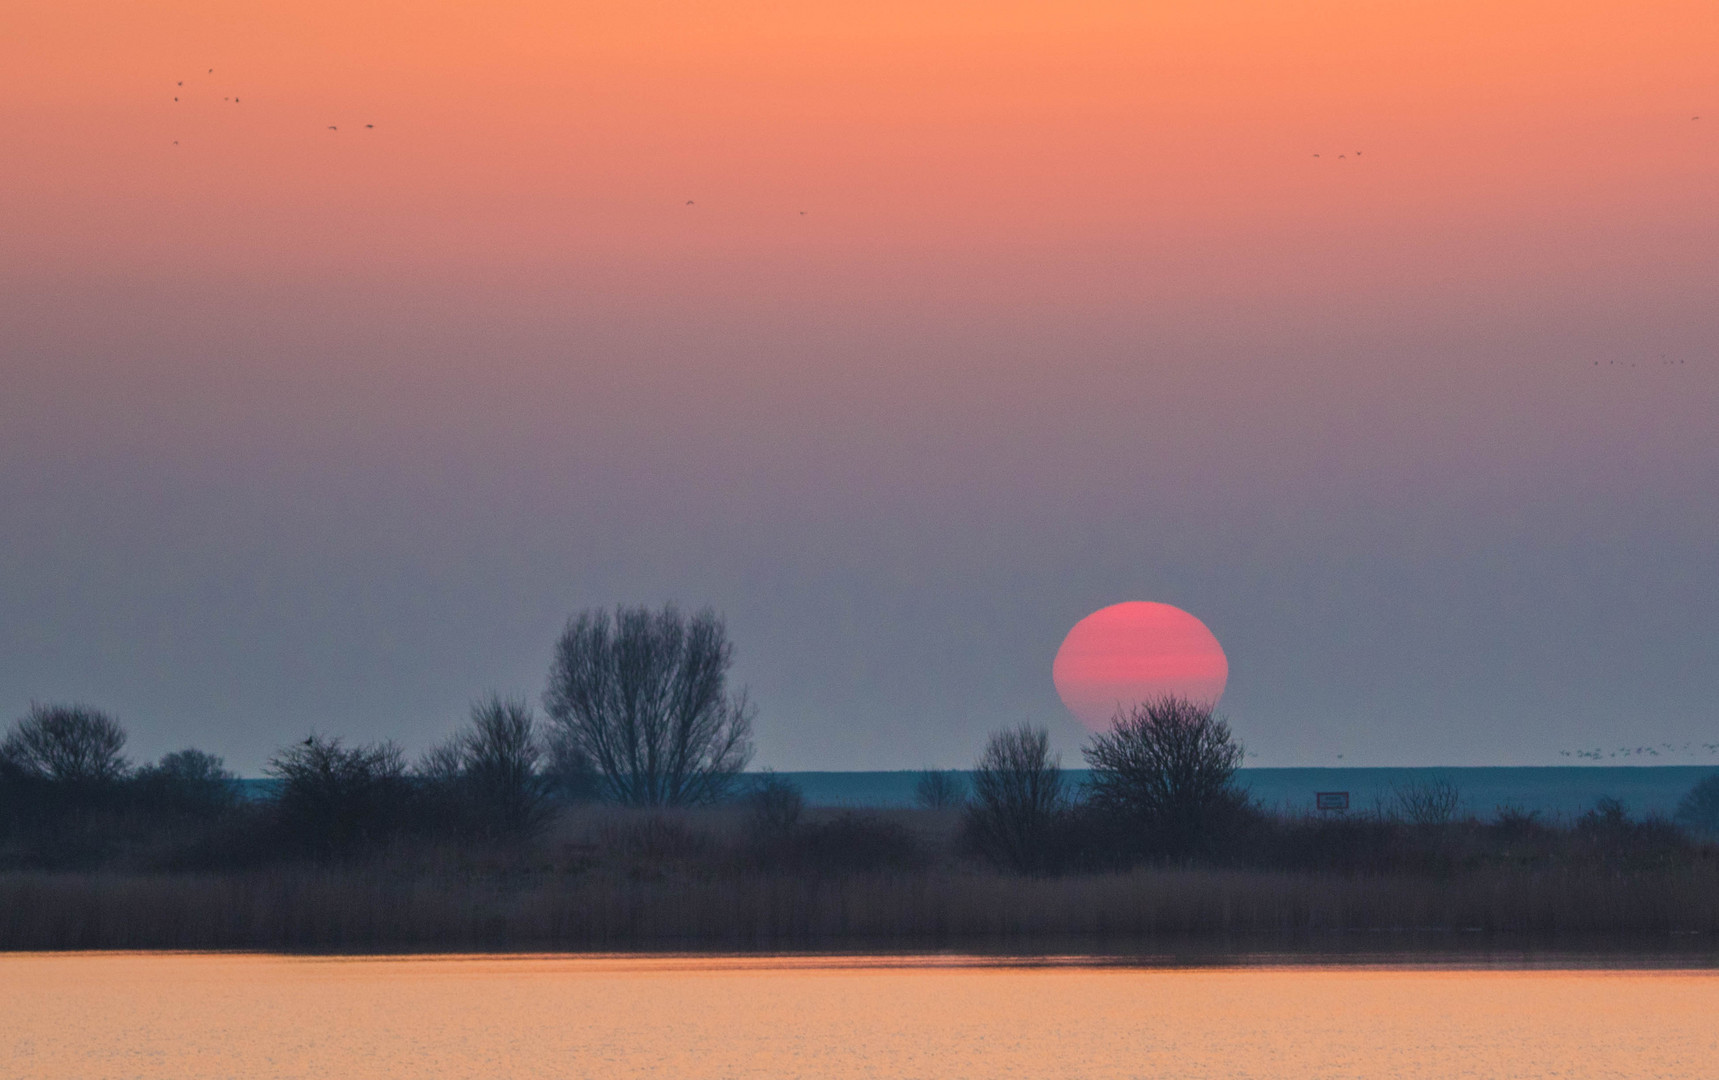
(1381, 337)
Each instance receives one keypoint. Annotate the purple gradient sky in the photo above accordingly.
(290, 439)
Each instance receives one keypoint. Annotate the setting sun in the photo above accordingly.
(1128, 653)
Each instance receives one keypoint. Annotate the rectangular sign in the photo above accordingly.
(1331, 800)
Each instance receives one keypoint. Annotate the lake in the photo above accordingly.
(190, 1016)
(1556, 791)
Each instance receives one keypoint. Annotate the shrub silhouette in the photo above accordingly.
(335, 800)
(939, 789)
(188, 782)
(492, 771)
(1166, 769)
(69, 745)
(775, 805)
(1434, 802)
(1018, 795)
(1698, 811)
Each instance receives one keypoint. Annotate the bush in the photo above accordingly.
(499, 769)
(334, 800)
(939, 789)
(58, 764)
(1166, 768)
(70, 745)
(487, 780)
(1018, 795)
(1434, 802)
(775, 805)
(1698, 811)
(1611, 836)
(851, 843)
(188, 782)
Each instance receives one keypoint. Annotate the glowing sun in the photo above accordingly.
(1128, 653)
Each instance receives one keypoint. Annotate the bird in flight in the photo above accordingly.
(369, 125)
(331, 127)
(689, 202)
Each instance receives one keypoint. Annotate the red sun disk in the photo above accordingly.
(1137, 651)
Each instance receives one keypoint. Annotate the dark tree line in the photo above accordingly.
(639, 713)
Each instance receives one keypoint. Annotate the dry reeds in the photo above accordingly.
(322, 909)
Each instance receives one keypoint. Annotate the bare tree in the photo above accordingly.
(1432, 802)
(776, 804)
(939, 789)
(66, 744)
(644, 696)
(334, 799)
(1018, 792)
(489, 777)
(503, 759)
(1167, 766)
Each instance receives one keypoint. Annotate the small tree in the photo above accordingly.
(70, 745)
(1166, 767)
(1018, 792)
(492, 771)
(939, 789)
(776, 804)
(335, 800)
(1433, 802)
(643, 695)
(1698, 811)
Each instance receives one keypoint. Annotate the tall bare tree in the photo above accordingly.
(644, 695)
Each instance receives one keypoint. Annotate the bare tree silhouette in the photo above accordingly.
(1166, 767)
(66, 744)
(643, 695)
(1018, 792)
(939, 789)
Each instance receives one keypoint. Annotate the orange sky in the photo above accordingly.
(1150, 140)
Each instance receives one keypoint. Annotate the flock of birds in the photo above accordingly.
(179, 85)
(1640, 751)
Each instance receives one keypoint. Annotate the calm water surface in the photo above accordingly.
(190, 1017)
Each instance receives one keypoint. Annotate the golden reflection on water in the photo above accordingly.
(196, 1016)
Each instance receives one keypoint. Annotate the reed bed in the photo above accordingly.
(357, 910)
